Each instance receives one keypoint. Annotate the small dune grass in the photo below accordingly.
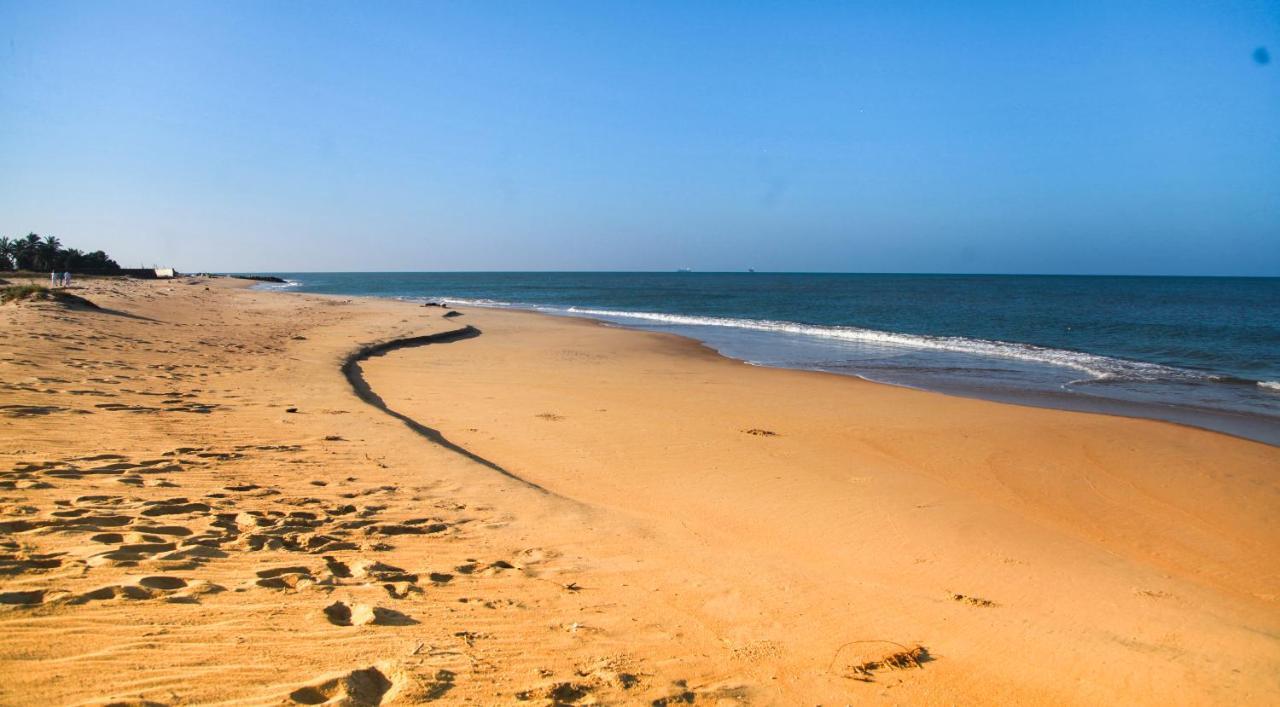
(15, 293)
(20, 293)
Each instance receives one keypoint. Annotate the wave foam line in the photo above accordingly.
(287, 284)
(1100, 367)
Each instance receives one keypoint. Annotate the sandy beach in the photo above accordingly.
(219, 495)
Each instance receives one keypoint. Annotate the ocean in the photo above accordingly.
(1197, 350)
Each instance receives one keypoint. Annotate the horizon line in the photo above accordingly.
(727, 272)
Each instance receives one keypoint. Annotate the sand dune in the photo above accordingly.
(210, 494)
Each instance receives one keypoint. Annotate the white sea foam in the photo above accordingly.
(468, 302)
(1270, 385)
(1098, 367)
(287, 284)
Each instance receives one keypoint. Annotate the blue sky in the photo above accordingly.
(903, 137)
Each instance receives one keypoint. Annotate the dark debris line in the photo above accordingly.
(355, 376)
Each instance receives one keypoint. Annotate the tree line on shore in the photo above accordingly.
(47, 255)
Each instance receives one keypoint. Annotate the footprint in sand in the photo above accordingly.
(679, 693)
(174, 506)
(473, 567)
(73, 513)
(421, 527)
(559, 693)
(401, 590)
(163, 582)
(129, 554)
(357, 688)
(23, 598)
(169, 588)
(14, 563)
(285, 577)
(177, 530)
(340, 614)
(381, 572)
(336, 568)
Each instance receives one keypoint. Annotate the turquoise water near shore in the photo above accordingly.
(1202, 351)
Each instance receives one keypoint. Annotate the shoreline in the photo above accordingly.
(1243, 426)
(1083, 358)
(1100, 406)
(1265, 432)
(241, 482)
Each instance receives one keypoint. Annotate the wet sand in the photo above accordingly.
(231, 496)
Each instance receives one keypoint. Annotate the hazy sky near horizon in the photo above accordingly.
(1083, 137)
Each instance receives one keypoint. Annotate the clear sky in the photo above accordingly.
(1057, 137)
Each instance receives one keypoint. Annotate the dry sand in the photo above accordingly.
(198, 506)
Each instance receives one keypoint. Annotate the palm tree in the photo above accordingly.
(48, 250)
(7, 253)
(25, 252)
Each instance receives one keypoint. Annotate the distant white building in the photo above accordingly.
(165, 273)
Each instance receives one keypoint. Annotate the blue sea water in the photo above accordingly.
(1202, 351)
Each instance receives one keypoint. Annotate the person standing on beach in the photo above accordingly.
(53, 279)
(66, 279)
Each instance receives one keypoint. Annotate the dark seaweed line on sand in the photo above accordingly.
(355, 376)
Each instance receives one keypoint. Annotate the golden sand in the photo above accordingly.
(217, 495)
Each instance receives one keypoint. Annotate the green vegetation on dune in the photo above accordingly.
(20, 293)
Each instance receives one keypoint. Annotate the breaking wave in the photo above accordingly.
(1098, 367)
(286, 285)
